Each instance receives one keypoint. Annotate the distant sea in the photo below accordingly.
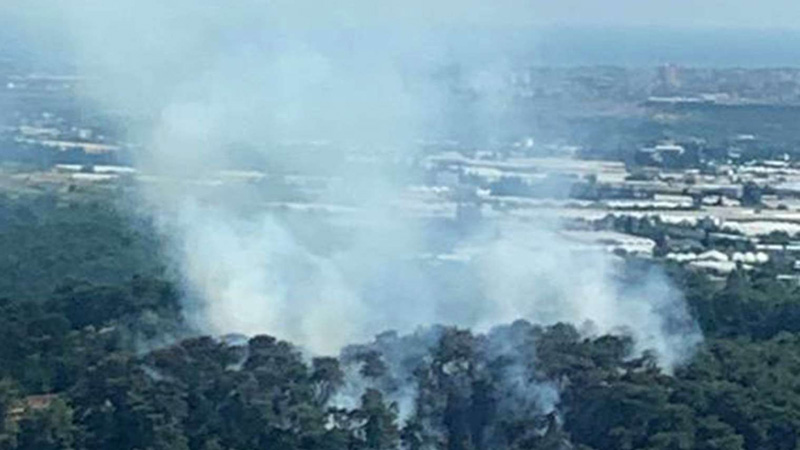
(655, 46)
(552, 46)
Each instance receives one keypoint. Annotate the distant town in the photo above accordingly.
(661, 163)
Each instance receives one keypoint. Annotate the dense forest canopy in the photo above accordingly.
(94, 355)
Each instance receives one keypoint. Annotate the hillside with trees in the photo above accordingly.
(94, 355)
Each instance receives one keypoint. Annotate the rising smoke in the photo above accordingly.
(336, 95)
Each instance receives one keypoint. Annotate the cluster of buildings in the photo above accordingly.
(713, 212)
(738, 216)
(666, 83)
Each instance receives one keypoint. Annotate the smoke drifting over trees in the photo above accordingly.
(342, 92)
(300, 88)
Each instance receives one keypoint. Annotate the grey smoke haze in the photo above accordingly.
(216, 81)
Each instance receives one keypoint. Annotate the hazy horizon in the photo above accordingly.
(631, 46)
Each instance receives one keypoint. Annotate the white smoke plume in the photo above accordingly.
(530, 272)
(337, 91)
